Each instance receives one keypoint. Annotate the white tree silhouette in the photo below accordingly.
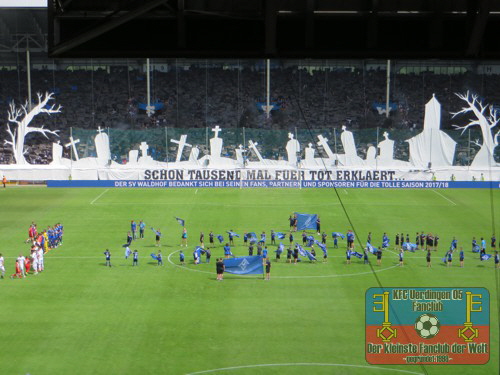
(20, 116)
(487, 119)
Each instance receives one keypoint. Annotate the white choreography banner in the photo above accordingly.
(267, 174)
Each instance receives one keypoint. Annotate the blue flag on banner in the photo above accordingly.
(200, 250)
(476, 249)
(486, 257)
(371, 249)
(306, 221)
(280, 235)
(244, 266)
(220, 238)
(338, 234)
(252, 237)
(356, 254)
(180, 221)
(408, 246)
(233, 234)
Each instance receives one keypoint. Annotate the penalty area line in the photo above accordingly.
(99, 196)
(442, 196)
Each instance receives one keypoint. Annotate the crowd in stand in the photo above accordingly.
(203, 97)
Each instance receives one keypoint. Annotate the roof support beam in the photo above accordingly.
(105, 27)
(478, 28)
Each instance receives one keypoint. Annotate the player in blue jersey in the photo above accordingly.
(133, 229)
(348, 256)
(184, 237)
(227, 251)
(483, 248)
(428, 258)
(461, 257)
(350, 239)
(159, 258)
(401, 255)
(454, 244)
(231, 239)
(290, 237)
(181, 258)
(273, 238)
(264, 252)
(497, 260)
(493, 242)
(142, 226)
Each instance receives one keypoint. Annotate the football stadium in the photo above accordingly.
(240, 187)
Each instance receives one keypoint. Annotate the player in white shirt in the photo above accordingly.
(20, 259)
(34, 264)
(2, 267)
(40, 258)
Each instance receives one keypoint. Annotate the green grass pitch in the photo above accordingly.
(79, 317)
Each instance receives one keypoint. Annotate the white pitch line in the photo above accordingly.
(196, 192)
(99, 196)
(383, 369)
(441, 195)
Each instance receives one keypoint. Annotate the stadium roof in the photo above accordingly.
(267, 28)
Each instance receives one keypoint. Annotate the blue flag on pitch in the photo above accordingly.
(385, 242)
(309, 255)
(153, 255)
(252, 237)
(310, 240)
(200, 250)
(280, 235)
(244, 266)
(280, 249)
(486, 257)
(220, 238)
(408, 246)
(301, 250)
(371, 249)
(306, 221)
(356, 254)
(338, 234)
(321, 246)
(233, 234)
(180, 221)
(476, 249)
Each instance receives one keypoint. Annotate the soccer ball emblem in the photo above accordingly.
(427, 326)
